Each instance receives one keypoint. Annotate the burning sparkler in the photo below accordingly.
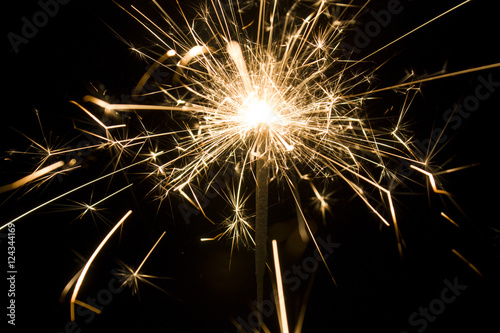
(267, 98)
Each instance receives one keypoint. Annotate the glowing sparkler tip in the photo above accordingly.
(258, 112)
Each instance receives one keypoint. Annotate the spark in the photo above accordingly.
(433, 78)
(97, 119)
(92, 207)
(81, 277)
(449, 219)
(71, 191)
(417, 28)
(321, 201)
(133, 278)
(35, 175)
(432, 180)
(149, 253)
(312, 237)
(279, 283)
(474, 268)
(237, 227)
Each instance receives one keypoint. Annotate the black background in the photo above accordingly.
(376, 290)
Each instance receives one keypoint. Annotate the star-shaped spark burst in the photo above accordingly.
(241, 96)
(132, 278)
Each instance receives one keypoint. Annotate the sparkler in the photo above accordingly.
(271, 99)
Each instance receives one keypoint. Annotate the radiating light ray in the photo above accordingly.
(429, 79)
(416, 29)
(79, 282)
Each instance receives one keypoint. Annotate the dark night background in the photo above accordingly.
(377, 290)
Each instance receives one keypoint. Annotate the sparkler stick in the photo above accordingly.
(261, 228)
(258, 114)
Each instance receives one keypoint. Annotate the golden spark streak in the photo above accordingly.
(449, 219)
(37, 174)
(79, 282)
(478, 272)
(279, 282)
(132, 278)
(438, 77)
(96, 119)
(92, 206)
(69, 285)
(149, 253)
(415, 29)
(431, 180)
(310, 232)
(132, 107)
